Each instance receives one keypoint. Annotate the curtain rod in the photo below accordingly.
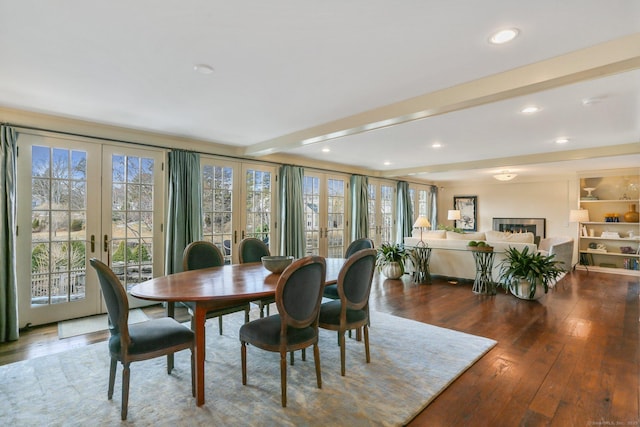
(143, 144)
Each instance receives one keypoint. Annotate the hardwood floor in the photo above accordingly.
(570, 359)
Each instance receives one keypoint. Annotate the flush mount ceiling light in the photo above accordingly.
(504, 36)
(436, 145)
(387, 163)
(530, 109)
(505, 176)
(203, 68)
(562, 140)
(325, 150)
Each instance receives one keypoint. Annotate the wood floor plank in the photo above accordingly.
(570, 359)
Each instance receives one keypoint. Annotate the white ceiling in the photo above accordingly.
(291, 72)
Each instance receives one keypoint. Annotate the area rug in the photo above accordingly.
(411, 363)
(99, 322)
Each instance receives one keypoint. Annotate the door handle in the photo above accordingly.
(93, 243)
(106, 243)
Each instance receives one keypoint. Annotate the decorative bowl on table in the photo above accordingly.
(276, 263)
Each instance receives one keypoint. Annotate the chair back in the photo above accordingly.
(358, 245)
(299, 292)
(252, 250)
(201, 254)
(354, 280)
(115, 297)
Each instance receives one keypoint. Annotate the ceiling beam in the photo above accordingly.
(529, 159)
(605, 59)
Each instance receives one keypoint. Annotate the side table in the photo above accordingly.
(484, 284)
(420, 256)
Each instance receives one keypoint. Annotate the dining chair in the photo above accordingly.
(295, 327)
(351, 311)
(331, 291)
(203, 254)
(251, 249)
(140, 341)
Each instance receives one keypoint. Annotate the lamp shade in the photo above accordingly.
(453, 214)
(422, 222)
(578, 215)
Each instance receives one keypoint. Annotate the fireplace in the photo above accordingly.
(521, 225)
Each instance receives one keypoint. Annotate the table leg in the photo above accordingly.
(200, 316)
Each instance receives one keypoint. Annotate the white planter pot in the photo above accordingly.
(522, 289)
(393, 270)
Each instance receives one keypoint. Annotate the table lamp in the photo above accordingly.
(422, 222)
(453, 215)
(578, 215)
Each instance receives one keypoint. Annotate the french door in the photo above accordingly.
(381, 211)
(325, 214)
(238, 201)
(73, 204)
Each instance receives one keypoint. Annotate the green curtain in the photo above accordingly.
(184, 219)
(432, 207)
(359, 207)
(9, 329)
(404, 212)
(292, 230)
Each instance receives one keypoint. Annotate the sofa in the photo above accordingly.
(452, 258)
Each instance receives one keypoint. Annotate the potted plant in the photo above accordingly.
(390, 260)
(526, 273)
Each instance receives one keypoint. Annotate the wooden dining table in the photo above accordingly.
(216, 288)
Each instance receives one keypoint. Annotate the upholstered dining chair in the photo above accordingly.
(295, 327)
(351, 311)
(141, 341)
(203, 254)
(331, 291)
(251, 249)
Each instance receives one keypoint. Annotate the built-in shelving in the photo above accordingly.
(602, 252)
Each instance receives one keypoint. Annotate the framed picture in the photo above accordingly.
(467, 207)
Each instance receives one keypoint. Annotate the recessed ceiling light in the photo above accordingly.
(436, 145)
(562, 140)
(325, 150)
(504, 36)
(530, 109)
(588, 102)
(387, 163)
(203, 68)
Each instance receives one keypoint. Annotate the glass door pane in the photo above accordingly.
(58, 202)
(132, 225)
(311, 196)
(259, 188)
(218, 195)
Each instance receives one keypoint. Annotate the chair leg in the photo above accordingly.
(220, 324)
(283, 377)
(316, 360)
(342, 353)
(261, 304)
(366, 342)
(267, 309)
(304, 354)
(169, 363)
(292, 357)
(125, 390)
(112, 377)
(243, 357)
(246, 315)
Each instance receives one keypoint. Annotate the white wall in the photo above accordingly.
(551, 200)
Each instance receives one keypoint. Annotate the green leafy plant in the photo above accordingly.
(533, 267)
(388, 252)
(450, 228)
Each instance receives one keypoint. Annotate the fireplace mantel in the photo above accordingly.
(520, 225)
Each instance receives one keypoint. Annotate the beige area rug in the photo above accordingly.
(411, 363)
(99, 322)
